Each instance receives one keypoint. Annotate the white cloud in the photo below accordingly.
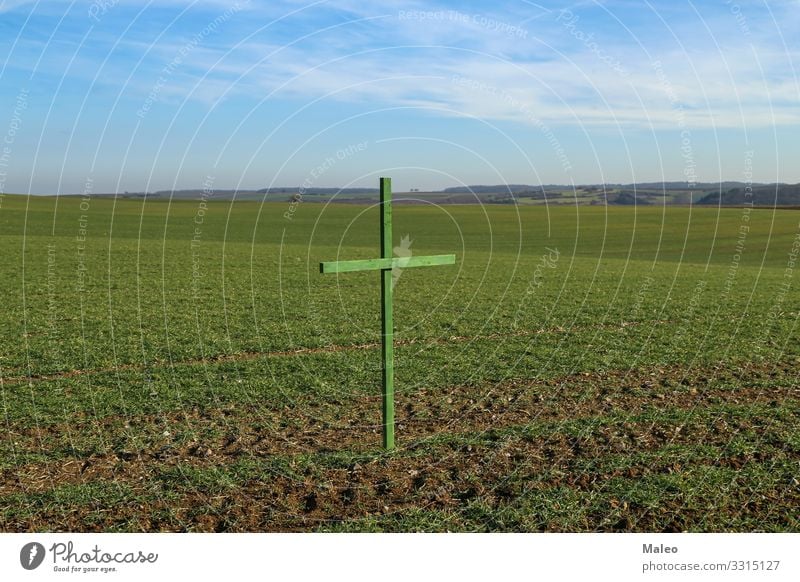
(722, 81)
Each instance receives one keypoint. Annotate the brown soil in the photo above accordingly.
(445, 476)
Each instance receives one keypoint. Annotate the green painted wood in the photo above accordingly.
(385, 265)
(388, 263)
(387, 323)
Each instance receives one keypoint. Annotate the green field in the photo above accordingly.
(184, 367)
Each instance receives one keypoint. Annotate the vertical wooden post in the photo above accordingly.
(387, 326)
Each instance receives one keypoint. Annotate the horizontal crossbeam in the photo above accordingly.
(382, 264)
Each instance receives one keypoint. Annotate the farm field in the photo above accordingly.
(183, 366)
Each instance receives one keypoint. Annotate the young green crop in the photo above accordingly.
(139, 337)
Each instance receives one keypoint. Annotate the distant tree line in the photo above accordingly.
(771, 195)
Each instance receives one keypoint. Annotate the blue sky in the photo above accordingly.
(133, 95)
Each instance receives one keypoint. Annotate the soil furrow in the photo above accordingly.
(213, 440)
(246, 356)
(496, 473)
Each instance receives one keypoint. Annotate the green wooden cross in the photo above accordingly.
(385, 265)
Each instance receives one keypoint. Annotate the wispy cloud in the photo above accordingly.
(584, 64)
(584, 68)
